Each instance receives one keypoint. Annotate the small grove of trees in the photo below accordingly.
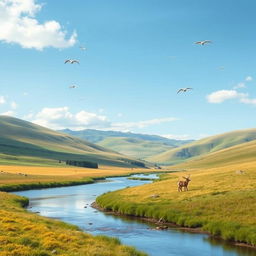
(134, 162)
(82, 164)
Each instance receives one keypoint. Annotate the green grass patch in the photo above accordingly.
(222, 203)
(25, 234)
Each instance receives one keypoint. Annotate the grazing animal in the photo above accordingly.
(184, 89)
(203, 42)
(71, 61)
(183, 184)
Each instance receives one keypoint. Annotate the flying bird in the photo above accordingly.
(203, 42)
(83, 48)
(71, 61)
(73, 86)
(184, 89)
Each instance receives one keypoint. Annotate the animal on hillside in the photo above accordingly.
(184, 183)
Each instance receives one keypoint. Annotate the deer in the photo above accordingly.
(183, 183)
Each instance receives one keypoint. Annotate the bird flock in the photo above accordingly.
(181, 90)
(74, 61)
(199, 43)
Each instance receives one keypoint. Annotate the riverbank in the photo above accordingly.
(18, 178)
(24, 234)
(220, 202)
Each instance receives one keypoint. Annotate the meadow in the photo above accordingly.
(220, 200)
(15, 178)
(26, 234)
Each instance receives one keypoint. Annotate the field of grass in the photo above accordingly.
(14, 178)
(204, 146)
(220, 200)
(27, 234)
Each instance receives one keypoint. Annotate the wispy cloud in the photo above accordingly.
(243, 84)
(140, 124)
(14, 105)
(62, 117)
(248, 79)
(223, 95)
(8, 113)
(2, 100)
(18, 24)
(239, 86)
(177, 136)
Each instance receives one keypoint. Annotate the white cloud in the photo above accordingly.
(239, 85)
(60, 118)
(248, 79)
(177, 136)
(2, 100)
(141, 124)
(222, 95)
(13, 105)
(248, 101)
(8, 113)
(18, 24)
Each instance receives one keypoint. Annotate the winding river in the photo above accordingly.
(72, 205)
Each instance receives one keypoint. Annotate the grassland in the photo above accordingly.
(14, 178)
(220, 200)
(26, 234)
(204, 146)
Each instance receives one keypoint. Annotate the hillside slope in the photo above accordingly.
(21, 138)
(134, 145)
(204, 146)
(239, 156)
(136, 148)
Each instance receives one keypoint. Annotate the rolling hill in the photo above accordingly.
(242, 155)
(25, 142)
(134, 145)
(204, 146)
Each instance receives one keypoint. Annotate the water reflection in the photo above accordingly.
(73, 205)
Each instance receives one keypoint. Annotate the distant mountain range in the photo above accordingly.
(22, 142)
(206, 147)
(135, 145)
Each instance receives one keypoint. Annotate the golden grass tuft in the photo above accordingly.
(219, 200)
(25, 234)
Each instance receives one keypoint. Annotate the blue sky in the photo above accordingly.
(139, 53)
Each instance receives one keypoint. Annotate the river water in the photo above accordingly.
(72, 205)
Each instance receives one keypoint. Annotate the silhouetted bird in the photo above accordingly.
(71, 61)
(73, 86)
(203, 42)
(184, 89)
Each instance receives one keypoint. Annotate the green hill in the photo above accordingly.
(239, 156)
(136, 148)
(22, 141)
(204, 146)
(134, 145)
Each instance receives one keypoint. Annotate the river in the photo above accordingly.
(73, 205)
